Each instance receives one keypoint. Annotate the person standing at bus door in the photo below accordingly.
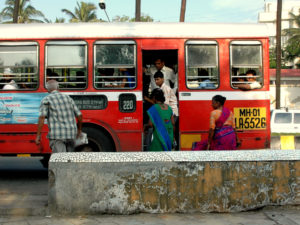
(221, 135)
(171, 100)
(162, 120)
(8, 79)
(60, 110)
(169, 75)
(170, 97)
(252, 83)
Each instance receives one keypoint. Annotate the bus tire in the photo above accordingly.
(98, 141)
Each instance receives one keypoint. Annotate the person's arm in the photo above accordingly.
(243, 87)
(146, 98)
(39, 130)
(79, 125)
(238, 141)
(173, 123)
(211, 133)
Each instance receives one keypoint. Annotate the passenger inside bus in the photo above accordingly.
(251, 82)
(204, 81)
(127, 78)
(8, 78)
(238, 79)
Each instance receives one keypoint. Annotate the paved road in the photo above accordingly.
(23, 186)
(262, 217)
(23, 201)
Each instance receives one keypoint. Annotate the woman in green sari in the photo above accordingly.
(161, 119)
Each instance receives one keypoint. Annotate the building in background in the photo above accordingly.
(269, 17)
(290, 88)
(290, 78)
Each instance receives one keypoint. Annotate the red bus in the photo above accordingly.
(101, 66)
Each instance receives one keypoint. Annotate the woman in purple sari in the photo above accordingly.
(222, 135)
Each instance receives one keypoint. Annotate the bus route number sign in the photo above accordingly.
(127, 103)
(250, 118)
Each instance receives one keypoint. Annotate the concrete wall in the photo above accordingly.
(125, 183)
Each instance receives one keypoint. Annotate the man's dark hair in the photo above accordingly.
(251, 72)
(158, 74)
(160, 58)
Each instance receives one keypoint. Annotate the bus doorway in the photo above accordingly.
(170, 60)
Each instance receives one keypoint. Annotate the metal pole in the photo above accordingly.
(278, 52)
(137, 10)
(182, 10)
(107, 15)
(16, 11)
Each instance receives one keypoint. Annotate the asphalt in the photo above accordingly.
(267, 216)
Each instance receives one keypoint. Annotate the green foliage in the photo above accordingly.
(27, 13)
(83, 12)
(292, 49)
(144, 18)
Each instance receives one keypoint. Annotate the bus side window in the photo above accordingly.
(202, 65)
(115, 65)
(246, 65)
(67, 63)
(18, 65)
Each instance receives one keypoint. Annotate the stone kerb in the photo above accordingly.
(161, 182)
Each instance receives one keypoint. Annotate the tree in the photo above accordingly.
(292, 49)
(27, 13)
(144, 18)
(57, 20)
(84, 12)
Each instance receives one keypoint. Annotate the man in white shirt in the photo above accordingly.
(8, 77)
(171, 99)
(252, 83)
(170, 77)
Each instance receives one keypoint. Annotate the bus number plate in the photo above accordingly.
(127, 103)
(250, 118)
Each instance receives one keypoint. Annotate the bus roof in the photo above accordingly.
(131, 30)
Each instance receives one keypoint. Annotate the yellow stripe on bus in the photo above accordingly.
(23, 155)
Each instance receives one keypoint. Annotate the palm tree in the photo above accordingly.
(57, 20)
(292, 49)
(84, 12)
(27, 13)
(143, 18)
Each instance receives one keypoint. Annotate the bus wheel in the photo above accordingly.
(98, 141)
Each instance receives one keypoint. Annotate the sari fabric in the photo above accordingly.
(224, 135)
(163, 128)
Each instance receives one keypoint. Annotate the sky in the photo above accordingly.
(227, 11)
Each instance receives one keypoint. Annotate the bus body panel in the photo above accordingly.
(126, 129)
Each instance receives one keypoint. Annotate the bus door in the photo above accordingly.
(149, 55)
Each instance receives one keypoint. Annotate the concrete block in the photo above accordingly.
(161, 182)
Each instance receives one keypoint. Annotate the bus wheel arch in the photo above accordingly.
(100, 140)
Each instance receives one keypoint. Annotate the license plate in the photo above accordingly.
(250, 118)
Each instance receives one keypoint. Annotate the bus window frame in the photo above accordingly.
(202, 42)
(245, 43)
(69, 43)
(26, 43)
(118, 66)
